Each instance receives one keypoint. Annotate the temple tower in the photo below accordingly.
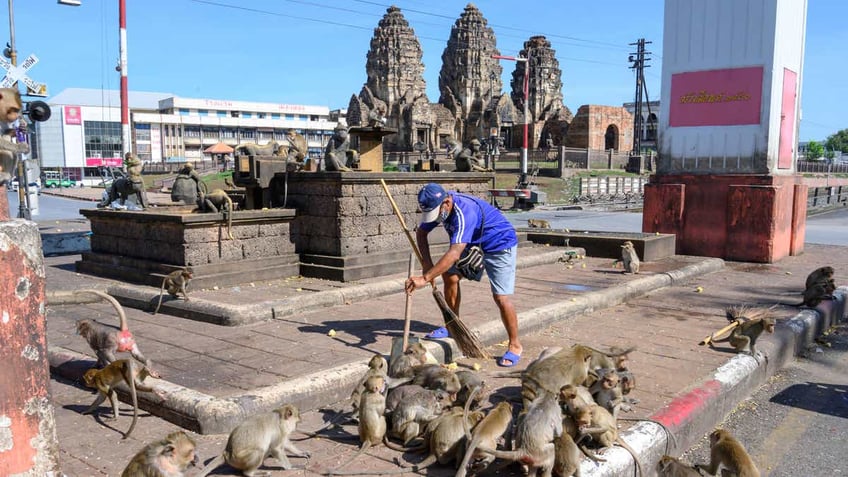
(469, 77)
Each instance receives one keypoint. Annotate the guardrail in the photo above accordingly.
(827, 196)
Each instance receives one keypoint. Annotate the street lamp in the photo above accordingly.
(523, 177)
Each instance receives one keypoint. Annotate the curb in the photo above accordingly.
(207, 414)
(695, 412)
(142, 298)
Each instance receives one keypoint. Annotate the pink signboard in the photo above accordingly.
(787, 120)
(109, 161)
(728, 97)
(72, 115)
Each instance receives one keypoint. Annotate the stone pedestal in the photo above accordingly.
(371, 147)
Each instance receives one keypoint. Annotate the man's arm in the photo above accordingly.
(448, 259)
(424, 248)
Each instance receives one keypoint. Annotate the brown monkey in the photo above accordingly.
(538, 224)
(597, 423)
(105, 340)
(217, 201)
(819, 275)
(468, 382)
(628, 384)
(629, 258)
(607, 392)
(168, 457)
(752, 323)
(566, 456)
(415, 355)
(372, 419)
(729, 453)
(668, 466)
(485, 436)
(435, 376)
(817, 292)
(259, 437)
(253, 149)
(573, 397)
(105, 380)
(10, 110)
(419, 408)
(175, 283)
(537, 431)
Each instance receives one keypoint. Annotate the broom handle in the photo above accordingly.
(403, 226)
(407, 315)
(719, 333)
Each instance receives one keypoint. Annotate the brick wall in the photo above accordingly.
(589, 126)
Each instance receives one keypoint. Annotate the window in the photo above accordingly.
(203, 112)
(234, 114)
(142, 132)
(248, 133)
(289, 116)
(247, 115)
(265, 134)
(183, 112)
(303, 117)
(279, 135)
(142, 148)
(192, 131)
(314, 118)
(210, 133)
(260, 115)
(275, 116)
(228, 133)
(102, 139)
(221, 114)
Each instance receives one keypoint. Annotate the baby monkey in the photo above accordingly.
(168, 457)
(175, 283)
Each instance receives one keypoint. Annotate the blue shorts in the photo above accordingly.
(500, 267)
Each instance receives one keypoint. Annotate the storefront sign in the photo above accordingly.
(72, 115)
(109, 161)
(726, 97)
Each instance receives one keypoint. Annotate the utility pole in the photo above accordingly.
(638, 62)
(126, 142)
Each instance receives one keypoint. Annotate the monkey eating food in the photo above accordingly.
(168, 457)
(175, 283)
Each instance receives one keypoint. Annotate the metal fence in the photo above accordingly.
(822, 167)
(827, 196)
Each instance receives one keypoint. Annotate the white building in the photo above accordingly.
(84, 131)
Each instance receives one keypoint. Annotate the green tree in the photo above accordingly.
(814, 151)
(838, 141)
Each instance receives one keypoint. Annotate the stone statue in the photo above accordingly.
(468, 159)
(338, 156)
(376, 117)
(123, 187)
(186, 186)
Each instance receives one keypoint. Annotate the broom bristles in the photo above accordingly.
(465, 339)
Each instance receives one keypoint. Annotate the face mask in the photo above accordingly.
(443, 215)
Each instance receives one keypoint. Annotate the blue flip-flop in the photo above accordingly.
(438, 333)
(509, 356)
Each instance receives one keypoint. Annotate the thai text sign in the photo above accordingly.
(109, 161)
(727, 97)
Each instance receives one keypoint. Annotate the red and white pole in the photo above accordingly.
(126, 141)
(526, 108)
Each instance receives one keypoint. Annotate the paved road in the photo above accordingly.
(52, 207)
(797, 424)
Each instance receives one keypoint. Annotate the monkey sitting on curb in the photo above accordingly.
(168, 457)
(818, 287)
(175, 283)
(217, 201)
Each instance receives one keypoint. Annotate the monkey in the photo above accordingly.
(668, 466)
(485, 436)
(229, 183)
(607, 392)
(726, 451)
(372, 419)
(217, 201)
(434, 376)
(597, 423)
(538, 224)
(416, 354)
(566, 456)
(616, 358)
(168, 457)
(629, 258)
(105, 380)
(819, 275)
(105, 340)
(566, 366)
(817, 292)
(175, 283)
(10, 110)
(628, 384)
(417, 409)
(746, 333)
(572, 397)
(468, 381)
(251, 149)
(259, 437)
(540, 426)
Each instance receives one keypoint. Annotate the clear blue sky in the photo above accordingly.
(268, 50)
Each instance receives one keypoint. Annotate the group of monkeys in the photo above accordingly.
(571, 399)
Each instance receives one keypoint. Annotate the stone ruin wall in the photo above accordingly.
(589, 125)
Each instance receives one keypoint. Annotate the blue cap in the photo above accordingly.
(430, 197)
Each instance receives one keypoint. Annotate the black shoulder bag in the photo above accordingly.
(470, 263)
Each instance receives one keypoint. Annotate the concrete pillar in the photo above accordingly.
(28, 444)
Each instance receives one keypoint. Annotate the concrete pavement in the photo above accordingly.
(226, 372)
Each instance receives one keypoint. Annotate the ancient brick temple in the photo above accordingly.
(470, 78)
(396, 88)
(549, 117)
(600, 127)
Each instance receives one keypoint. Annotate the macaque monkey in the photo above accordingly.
(668, 466)
(538, 224)
(485, 436)
(818, 291)
(819, 275)
(727, 452)
(537, 432)
(629, 258)
(572, 398)
(10, 110)
(105, 380)
(419, 408)
(597, 423)
(752, 323)
(468, 382)
(372, 419)
(416, 354)
(607, 392)
(168, 457)
(217, 201)
(259, 437)
(175, 283)
(435, 376)
(566, 456)
(252, 149)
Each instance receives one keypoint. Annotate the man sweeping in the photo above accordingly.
(480, 238)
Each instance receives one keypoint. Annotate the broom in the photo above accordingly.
(465, 339)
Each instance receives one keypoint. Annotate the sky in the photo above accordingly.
(313, 51)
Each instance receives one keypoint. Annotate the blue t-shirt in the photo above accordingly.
(463, 224)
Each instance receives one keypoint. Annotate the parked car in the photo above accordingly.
(53, 180)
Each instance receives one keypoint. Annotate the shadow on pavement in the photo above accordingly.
(823, 398)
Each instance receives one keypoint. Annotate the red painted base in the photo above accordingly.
(735, 217)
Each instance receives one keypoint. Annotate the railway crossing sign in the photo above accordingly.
(18, 73)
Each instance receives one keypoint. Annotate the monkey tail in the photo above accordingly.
(161, 293)
(591, 455)
(620, 441)
(214, 464)
(73, 297)
(465, 412)
(391, 445)
(129, 376)
(229, 217)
